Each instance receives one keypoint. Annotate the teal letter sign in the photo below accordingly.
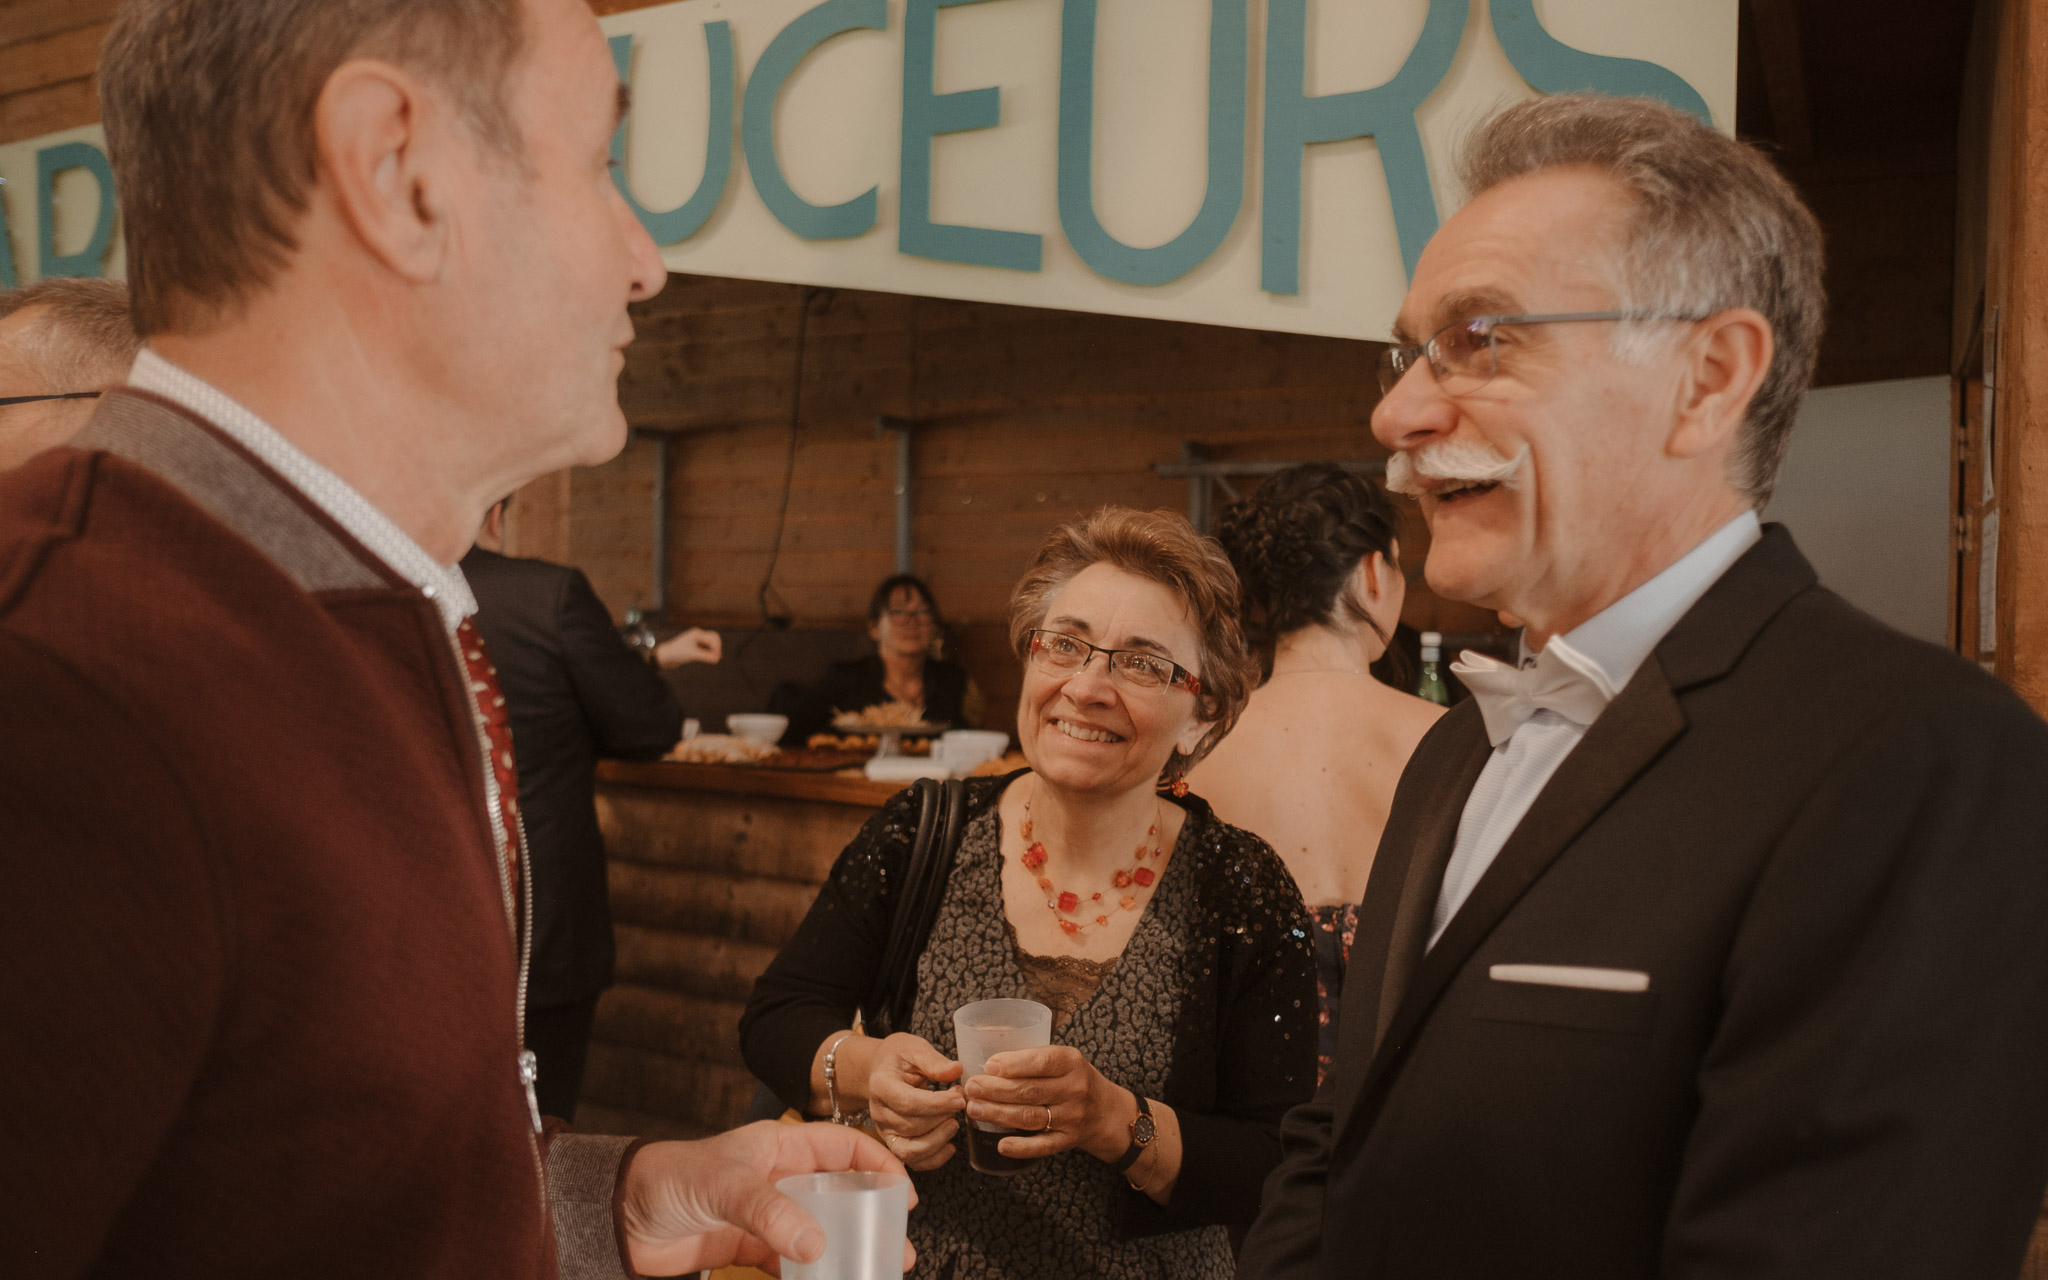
(1221, 203)
(7, 276)
(757, 120)
(683, 221)
(1552, 67)
(925, 115)
(1387, 113)
(50, 162)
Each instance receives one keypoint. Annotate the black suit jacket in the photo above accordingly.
(576, 691)
(1827, 846)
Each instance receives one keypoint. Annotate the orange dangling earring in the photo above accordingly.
(1180, 784)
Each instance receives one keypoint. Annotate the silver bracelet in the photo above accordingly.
(854, 1119)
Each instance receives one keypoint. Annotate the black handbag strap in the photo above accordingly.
(942, 811)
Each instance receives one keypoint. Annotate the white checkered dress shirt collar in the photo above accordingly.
(443, 584)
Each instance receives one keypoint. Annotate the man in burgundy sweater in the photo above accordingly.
(263, 908)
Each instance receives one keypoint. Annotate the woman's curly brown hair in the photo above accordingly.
(1161, 547)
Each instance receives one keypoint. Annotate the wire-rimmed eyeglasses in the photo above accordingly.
(1058, 651)
(1462, 356)
(59, 395)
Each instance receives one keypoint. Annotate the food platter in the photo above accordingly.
(888, 723)
(853, 725)
(723, 750)
(885, 730)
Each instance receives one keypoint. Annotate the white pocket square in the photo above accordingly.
(1572, 975)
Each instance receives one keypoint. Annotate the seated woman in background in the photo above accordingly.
(903, 621)
(1313, 762)
(1170, 947)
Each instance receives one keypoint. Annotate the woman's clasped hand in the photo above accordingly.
(916, 1121)
(1052, 1093)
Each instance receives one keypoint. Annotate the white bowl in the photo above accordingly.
(761, 730)
(963, 749)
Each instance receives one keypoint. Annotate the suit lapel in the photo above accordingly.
(1435, 838)
(1393, 920)
(1635, 729)
(1632, 732)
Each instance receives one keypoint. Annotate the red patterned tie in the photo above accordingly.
(490, 703)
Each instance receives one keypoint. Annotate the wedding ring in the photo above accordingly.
(1047, 1126)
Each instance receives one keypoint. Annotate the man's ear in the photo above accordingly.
(381, 139)
(1725, 363)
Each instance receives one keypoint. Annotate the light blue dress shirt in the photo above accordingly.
(1607, 648)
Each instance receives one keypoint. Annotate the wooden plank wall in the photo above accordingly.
(2002, 262)
(1026, 417)
(49, 50)
(2002, 257)
(2020, 275)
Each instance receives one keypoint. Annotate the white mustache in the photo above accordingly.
(1461, 460)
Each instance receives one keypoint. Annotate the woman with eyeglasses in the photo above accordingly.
(1170, 947)
(1313, 763)
(904, 624)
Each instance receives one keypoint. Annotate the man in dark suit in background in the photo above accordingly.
(1709, 940)
(576, 691)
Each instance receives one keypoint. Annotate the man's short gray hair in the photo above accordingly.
(1714, 226)
(83, 339)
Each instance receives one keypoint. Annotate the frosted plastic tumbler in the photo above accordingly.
(863, 1215)
(982, 1030)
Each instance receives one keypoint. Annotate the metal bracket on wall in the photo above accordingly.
(657, 568)
(903, 427)
(1205, 476)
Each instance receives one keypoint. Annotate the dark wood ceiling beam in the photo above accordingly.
(1777, 37)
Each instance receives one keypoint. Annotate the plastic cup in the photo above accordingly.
(981, 1030)
(864, 1217)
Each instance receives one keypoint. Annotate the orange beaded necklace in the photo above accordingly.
(1068, 905)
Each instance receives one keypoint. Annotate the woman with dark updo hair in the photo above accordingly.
(1313, 761)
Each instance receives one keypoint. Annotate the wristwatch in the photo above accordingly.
(1141, 1135)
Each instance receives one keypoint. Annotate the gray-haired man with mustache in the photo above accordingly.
(1706, 941)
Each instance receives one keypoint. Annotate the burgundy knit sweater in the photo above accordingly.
(257, 980)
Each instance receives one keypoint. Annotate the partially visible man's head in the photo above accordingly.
(59, 337)
(1587, 445)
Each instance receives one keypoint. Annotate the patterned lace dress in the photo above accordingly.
(1335, 926)
(1065, 1217)
(1210, 1008)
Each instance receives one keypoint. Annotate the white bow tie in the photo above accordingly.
(1562, 679)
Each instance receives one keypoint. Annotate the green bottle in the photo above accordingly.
(1431, 688)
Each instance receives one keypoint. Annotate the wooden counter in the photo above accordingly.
(846, 786)
(712, 868)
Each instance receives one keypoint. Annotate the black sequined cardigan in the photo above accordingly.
(1246, 1048)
